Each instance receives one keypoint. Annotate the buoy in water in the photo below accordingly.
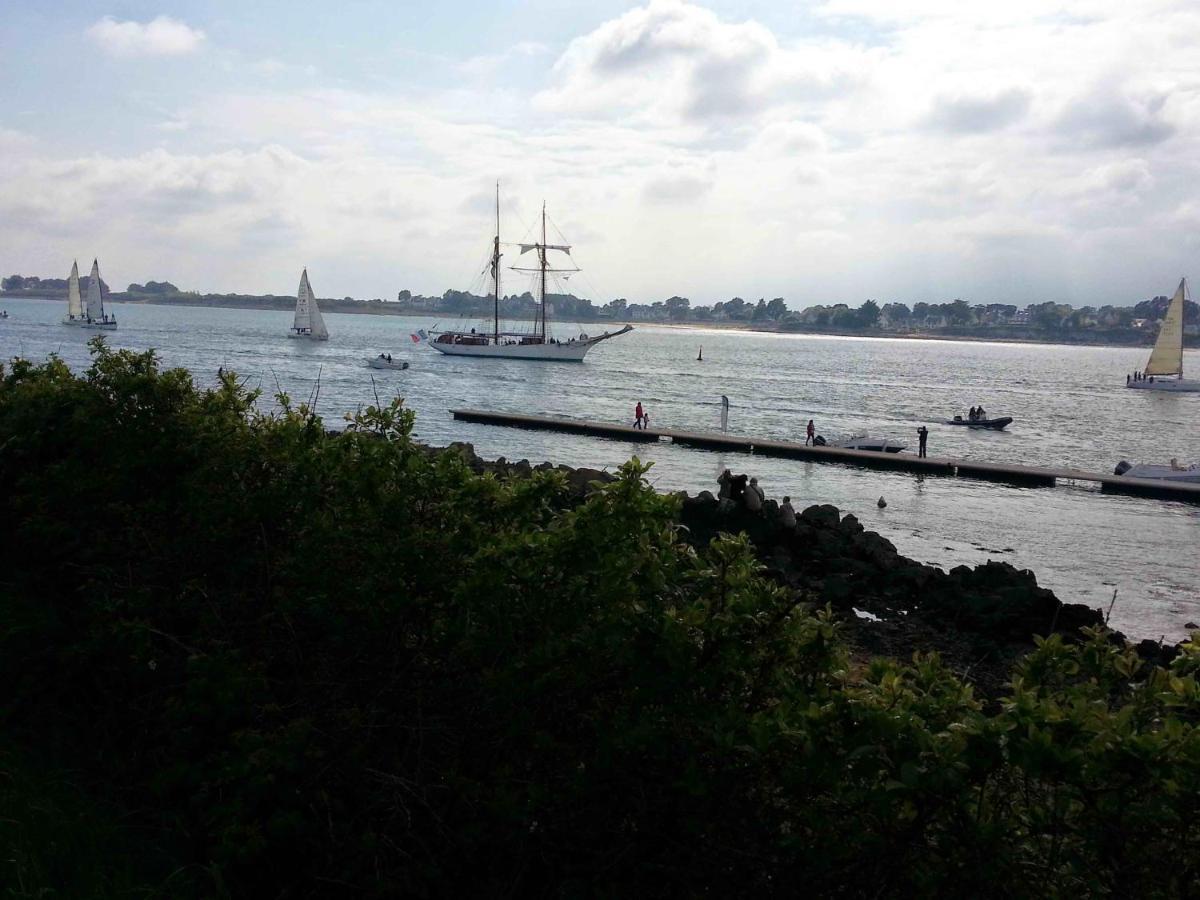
(700, 355)
(881, 503)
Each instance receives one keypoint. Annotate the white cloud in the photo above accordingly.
(678, 62)
(161, 36)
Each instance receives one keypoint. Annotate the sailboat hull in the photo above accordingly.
(110, 325)
(1171, 385)
(308, 336)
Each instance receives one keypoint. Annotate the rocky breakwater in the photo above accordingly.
(979, 618)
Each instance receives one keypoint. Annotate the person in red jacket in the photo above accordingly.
(637, 415)
(810, 432)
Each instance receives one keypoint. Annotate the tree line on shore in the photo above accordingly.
(955, 317)
(246, 656)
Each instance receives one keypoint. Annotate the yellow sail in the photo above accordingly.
(1167, 356)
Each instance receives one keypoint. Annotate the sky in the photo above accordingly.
(824, 152)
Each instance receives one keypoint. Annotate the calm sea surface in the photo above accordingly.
(1069, 404)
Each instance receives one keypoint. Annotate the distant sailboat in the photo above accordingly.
(1166, 359)
(93, 315)
(308, 322)
(536, 343)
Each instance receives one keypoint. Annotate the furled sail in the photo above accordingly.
(1167, 356)
(74, 300)
(95, 303)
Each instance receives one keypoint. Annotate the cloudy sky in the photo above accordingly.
(823, 152)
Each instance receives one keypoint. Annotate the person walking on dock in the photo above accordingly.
(809, 433)
(637, 415)
(922, 437)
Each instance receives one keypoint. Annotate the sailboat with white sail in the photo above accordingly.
(308, 323)
(92, 315)
(535, 343)
(1164, 371)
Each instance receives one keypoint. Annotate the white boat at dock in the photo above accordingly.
(866, 442)
(1174, 472)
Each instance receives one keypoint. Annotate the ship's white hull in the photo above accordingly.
(1173, 385)
(548, 352)
(393, 364)
(307, 336)
(565, 351)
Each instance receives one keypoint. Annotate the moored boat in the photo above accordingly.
(1164, 370)
(866, 442)
(1173, 472)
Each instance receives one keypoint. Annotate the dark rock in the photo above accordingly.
(822, 516)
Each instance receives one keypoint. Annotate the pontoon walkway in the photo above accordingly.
(906, 462)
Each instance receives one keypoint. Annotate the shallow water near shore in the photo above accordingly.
(1069, 404)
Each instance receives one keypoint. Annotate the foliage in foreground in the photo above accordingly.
(242, 656)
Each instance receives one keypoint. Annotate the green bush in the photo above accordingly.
(270, 660)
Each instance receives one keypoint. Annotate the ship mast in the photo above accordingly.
(543, 267)
(542, 253)
(496, 274)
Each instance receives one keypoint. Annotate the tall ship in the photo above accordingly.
(535, 342)
(308, 322)
(92, 315)
(1164, 370)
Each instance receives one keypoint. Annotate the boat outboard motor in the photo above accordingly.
(1122, 467)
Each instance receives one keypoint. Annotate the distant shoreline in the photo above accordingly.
(370, 308)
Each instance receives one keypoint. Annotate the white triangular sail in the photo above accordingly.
(308, 318)
(303, 300)
(319, 331)
(95, 302)
(74, 300)
(1167, 356)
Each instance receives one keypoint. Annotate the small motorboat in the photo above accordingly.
(863, 442)
(382, 361)
(3, 313)
(997, 424)
(1173, 472)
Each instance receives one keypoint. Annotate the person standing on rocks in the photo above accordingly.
(787, 515)
(922, 438)
(810, 433)
(754, 496)
(725, 480)
(737, 488)
(637, 415)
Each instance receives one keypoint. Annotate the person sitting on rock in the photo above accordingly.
(787, 515)
(754, 496)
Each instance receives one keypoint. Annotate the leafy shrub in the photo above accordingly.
(302, 663)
